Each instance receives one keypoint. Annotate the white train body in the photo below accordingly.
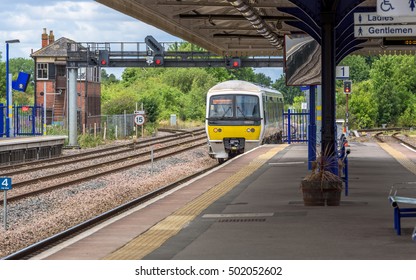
(241, 116)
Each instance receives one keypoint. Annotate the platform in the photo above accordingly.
(20, 149)
(252, 208)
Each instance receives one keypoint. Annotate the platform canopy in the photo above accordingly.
(252, 27)
(260, 28)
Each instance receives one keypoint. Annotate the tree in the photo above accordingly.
(105, 78)
(391, 86)
(359, 67)
(363, 107)
(289, 92)
(15, 66)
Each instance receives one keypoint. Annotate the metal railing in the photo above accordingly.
(295, 126)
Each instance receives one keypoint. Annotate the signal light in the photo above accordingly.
(235, 62)
(347, 87)
(158, 60)
(104, 57)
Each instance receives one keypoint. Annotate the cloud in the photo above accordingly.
(82, 21)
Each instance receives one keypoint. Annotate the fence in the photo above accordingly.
(115, 126)
(27, 120)
(295, 127)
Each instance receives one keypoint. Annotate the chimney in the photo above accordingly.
(44, 38)
(51, 37)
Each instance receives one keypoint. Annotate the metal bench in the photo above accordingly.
(398, 201)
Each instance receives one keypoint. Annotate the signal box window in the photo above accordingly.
(42, 71)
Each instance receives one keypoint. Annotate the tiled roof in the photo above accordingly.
(57, 48)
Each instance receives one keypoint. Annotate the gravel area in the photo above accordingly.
(37, 218)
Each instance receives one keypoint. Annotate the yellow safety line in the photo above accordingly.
(402, 159)
(153, 238)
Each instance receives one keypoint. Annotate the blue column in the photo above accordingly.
(7, 92)
(1, 120)
(289, 131)
(312, 127)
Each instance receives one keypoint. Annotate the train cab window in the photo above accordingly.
(221, 106)
(247, 106)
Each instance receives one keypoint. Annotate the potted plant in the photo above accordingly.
(322, 187)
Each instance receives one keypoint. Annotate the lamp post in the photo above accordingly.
(8, 89)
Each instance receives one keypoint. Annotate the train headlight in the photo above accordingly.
(250, 130)
(217, 130)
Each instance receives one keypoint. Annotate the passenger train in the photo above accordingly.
(241, 116)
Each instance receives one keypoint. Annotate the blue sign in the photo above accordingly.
(303, 88)
(5, 184)
(22, 81)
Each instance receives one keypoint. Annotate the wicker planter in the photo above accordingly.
(318, 193)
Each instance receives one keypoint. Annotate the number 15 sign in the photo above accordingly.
(5, 184)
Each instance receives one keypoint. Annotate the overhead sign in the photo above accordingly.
(363, 31)
(374, 18)
(396, 7)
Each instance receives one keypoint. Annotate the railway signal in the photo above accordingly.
(234, 62)
(158, 60)
(104, 57)
(347, 86)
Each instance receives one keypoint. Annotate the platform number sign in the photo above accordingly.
(139, 119)
(5, 184)
(342, 72)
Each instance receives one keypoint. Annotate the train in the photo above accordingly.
(241, 116)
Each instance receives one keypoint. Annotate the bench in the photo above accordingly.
(401, 212)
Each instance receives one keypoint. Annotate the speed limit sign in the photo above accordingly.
(139, 119)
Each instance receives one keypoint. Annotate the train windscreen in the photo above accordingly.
(234, 106)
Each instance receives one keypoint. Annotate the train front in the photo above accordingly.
(233, 123)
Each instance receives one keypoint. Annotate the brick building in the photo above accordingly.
(51, 74)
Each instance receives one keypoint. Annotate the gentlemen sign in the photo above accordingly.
(385, 30)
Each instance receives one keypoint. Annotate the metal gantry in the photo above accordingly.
(134, 54)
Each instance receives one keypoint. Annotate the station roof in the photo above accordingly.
(251, 27)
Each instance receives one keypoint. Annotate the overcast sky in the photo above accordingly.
(79, 20)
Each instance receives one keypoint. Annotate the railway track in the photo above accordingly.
(31, 166)
(47, 243)
(397, 136)
(81, 174)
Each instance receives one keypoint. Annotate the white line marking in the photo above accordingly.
(404, 145)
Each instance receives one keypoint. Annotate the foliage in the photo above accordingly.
(106, 78)
(57, 130)
(408, 117)
(15, 66)
(89, 141)
(289, 92)
(362, 106)
(393, 82)
(386, 95)
(359, 67)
